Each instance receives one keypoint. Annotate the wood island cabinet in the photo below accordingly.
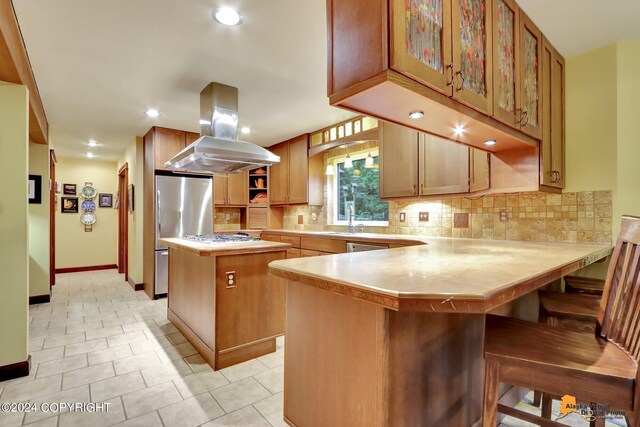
(414, 164)
(231, 189)
(297, 179)
(552, 147)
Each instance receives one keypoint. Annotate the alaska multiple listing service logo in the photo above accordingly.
(568, 405)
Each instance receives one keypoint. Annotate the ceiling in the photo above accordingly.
(100, 64)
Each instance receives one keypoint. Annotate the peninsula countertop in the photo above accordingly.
(444, 274)
(219, 249)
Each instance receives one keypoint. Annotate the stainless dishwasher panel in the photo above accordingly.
(362, 247)
(162, 272)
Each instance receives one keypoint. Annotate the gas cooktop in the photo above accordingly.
(221, 238)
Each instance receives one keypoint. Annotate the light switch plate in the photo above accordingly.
(314, 216)
(403, 216)
(227, 216)
(300, 219)
(423, 216)
(504, 215)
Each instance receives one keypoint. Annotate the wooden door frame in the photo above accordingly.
(52, 218)
(123, 221)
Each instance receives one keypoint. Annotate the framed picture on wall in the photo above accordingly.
(130, 198)
(35, 189)
(69, 205)
(106, 200)
(69, 189)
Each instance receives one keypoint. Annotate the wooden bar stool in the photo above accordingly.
(600, 368)
(583, 285)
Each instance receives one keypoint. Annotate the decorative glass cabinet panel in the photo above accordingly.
(506, 73)
(530, 83)
(424, 41)
(473, 45)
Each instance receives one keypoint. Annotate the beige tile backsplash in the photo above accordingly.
(226, 219)
(583, 217)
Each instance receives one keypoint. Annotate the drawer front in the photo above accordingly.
(305, 253)
(323, 245)
(293, 253)
(294, 241)
(270, 237)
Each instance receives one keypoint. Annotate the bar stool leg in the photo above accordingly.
(546, 406)
(599, 422)
(491, 386)
(537, 397)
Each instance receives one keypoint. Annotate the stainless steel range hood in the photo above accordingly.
(218, 149)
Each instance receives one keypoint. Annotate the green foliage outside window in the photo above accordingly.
(359, 187)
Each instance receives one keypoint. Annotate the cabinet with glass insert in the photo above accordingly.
(446, 44)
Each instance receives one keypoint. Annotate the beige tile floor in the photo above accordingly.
(99, 341)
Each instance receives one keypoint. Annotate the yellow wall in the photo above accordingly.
(134, 157)
(74, 246)
(628, 153)
(39, 223)
(14, 233)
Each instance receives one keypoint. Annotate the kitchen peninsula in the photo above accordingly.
(222, 298)
(395, 337)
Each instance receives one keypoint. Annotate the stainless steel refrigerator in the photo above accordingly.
(183, 207)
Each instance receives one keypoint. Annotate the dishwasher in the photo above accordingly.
(362, 247)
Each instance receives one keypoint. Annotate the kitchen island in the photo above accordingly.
(395, 337)
(223, 300)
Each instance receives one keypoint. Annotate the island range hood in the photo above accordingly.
(218, 149)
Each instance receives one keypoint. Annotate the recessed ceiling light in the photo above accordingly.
(227, 16)
(245, 130)
(90, 155)
(416, 115)
(152, 113)
(92, 143)
(490, 142)
(459, 130)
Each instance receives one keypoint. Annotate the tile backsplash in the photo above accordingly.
(583, 217)
(226, 219)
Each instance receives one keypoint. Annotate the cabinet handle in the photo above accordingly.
(525, 118)
(421, 188)
(450, 80)
(459, 88)
(415, 188)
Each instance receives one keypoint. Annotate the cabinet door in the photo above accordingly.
(530, 77)
(471, 42)
(444, 166)
(279, 175)
(220, 189)
(506, 62)
(166, 144)
(190, 137)
(398, 161)
(479, 170)
(299, 170)
(238, 189)
(421, 41)
(552, 146)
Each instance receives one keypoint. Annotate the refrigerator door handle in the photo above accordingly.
(159, 219)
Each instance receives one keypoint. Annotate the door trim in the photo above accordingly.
(52, 218)
(123, 221)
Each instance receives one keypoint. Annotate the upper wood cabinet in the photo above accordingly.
(414, 164)
(552, 147)
(530, 77)
(446, 44)
(231, 189)
(162, 144)
(506, 62)
(398, 161)
(298, 178)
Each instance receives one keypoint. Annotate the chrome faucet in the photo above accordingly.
(352, 228)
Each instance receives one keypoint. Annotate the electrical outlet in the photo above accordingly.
(423, 216)
(300, 219)
(227, 216)
(314, 216)
(403, 216)
(504, 215)
(231, 279)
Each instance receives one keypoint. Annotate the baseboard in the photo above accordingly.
(40, 299)
(15, 370)
(135, 286)
(87, 268)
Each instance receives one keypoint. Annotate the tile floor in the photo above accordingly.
(99, 341)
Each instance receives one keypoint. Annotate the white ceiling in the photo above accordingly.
(100, 64)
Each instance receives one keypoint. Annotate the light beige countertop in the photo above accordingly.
(445, 274)
(219, 249)
(355, 237)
